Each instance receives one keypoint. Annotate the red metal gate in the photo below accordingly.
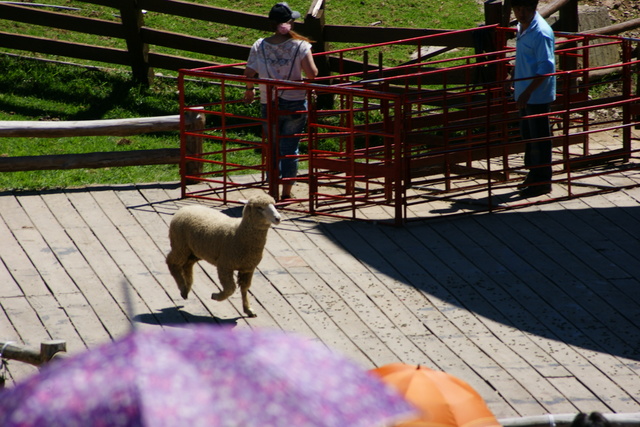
(401, 142)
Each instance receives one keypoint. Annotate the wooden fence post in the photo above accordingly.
(132, 22)
(493, 12)
(314, 29)
(568, 21)
(194, 120)
(569, 16)
(506, 13)
(636, 53)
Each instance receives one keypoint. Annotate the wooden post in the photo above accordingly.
(497, 12)
(48, 350)
(194, 120)
(636, 53)
(493, 12)
(569, 23)
(52, 349)
(569, 16)
(506, 14)
(132, 22)
(314, 29)
(486, 41)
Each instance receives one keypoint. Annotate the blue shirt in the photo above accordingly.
(534, 57)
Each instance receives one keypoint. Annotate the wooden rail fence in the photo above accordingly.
(115, 127)
(142, 60)
(140, 38)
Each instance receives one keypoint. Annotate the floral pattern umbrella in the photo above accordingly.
(203, 376)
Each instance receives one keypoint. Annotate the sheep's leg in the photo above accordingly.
(228, 285)
(244, 282)
(176, 269)
(187, 273)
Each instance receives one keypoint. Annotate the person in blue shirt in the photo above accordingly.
(534, 91)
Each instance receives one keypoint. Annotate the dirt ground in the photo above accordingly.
(619, 11)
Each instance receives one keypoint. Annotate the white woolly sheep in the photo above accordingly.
(231, 244)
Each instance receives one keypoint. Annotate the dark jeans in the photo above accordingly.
(288, 126)
(539, 152)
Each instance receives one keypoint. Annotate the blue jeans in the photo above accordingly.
(288, 126)
(539, 152)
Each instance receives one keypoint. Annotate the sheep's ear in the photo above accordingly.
(243, 201)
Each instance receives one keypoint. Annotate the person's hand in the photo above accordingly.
(523, 100)
(249, 95)
(508, 88)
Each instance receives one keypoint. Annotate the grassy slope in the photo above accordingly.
(33, 90)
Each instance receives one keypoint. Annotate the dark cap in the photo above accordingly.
(525, 3)
(281, 12)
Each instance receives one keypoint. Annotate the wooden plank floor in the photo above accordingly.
(537, 308)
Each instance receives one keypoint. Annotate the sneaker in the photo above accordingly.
(527, 182)
(535, 190)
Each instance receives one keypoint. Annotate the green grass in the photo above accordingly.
(37, 90)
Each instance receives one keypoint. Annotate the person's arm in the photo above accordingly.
(250, 92)
(523, 99)
(544, 51)
(309, 66)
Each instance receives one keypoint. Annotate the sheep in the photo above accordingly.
(231, 244)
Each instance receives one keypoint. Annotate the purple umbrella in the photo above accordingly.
(203, 376)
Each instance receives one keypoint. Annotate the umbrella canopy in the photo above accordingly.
(203, 376)
(443, 399)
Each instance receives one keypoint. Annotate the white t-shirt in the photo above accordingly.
(280, 61)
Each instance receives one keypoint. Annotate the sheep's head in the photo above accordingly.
(261, 208)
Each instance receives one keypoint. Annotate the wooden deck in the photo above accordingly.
(537, 308)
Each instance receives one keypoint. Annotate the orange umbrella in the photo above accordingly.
(443, 399)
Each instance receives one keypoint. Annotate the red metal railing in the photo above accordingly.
(401, 142)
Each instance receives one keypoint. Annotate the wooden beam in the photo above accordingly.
(61, 48)
(162, 156)
(114, 127)
(63, 21)
(48, 350)
(207, 13)
(174, 62)
(195, 44)
(621, 27)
